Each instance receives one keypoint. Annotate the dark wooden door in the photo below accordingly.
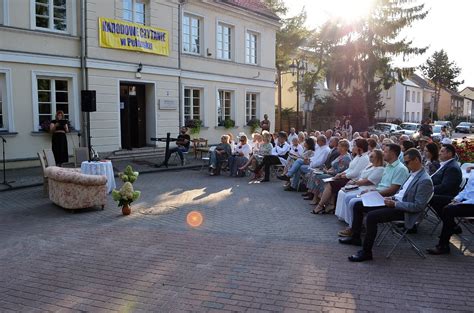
(132, 116)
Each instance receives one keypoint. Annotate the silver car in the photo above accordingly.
(465, 127)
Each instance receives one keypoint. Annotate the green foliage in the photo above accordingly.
(366, 48)
(442, 72)
(229, 123)
(128, 175)
(194, 125)
(254, 124)
(126, 194)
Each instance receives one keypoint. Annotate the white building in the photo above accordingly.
(407, 101)
(153, 64)
(468, 94)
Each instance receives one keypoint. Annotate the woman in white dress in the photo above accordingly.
(369, 177)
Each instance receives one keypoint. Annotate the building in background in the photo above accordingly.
(468, 94)
(450, 103)
(153, 64)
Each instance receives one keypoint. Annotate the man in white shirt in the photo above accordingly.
(304, 166)
(279, 152)
(292, 135)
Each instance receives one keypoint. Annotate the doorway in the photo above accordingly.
(132, 115)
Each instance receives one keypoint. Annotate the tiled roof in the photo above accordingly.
(256, 6)
(453, 93)
(420, 81)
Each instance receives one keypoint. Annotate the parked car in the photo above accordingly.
(409, 129)
(437, 132)
(448, 124)
(385, 128)
(465, 127)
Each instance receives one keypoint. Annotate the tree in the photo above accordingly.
(364, 59)
(442, 72)
(289, 38)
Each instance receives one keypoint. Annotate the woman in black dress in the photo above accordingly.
(59, 129)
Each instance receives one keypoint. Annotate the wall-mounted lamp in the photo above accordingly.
(138, 74)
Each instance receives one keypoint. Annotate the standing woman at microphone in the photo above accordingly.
(59, 129)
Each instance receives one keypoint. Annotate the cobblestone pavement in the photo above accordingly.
(257, 250)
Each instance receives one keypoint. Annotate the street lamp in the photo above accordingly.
(298, 67)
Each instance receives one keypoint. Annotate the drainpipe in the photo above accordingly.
(85, 82)
(405, 113)
(180, 96)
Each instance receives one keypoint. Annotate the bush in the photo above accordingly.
(253, 123)
(195, 125)
(229, 123)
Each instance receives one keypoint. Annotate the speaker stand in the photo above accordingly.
(5, 182)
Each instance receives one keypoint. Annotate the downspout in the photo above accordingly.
(180, 96)
(85, 83)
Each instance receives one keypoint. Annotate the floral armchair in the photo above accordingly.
(73, 190)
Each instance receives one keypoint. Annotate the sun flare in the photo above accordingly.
(348, 10)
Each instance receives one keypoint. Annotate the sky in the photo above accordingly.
(448, 26)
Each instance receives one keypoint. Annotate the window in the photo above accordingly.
(191, 34)
(51, 14)
(53, 95)
(412, 96)
(134, 11)
(224, 45)
(418, 116)
(192, 104)
(250, 106)
(412, 116)
(407, 96)
(251, 48)
(407, 116)
(418, 97)
(224, 106)
(3, 12)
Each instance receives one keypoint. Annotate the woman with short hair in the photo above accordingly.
(240, 156)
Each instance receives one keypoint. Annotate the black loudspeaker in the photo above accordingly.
(88, 102)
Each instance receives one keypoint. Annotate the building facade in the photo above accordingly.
(153, 63)
(468, 94)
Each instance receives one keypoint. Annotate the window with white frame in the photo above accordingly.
(412, 116)
(418, 97)
(53, 96)
(191, 34)
(407, 95)
(51, 14)
(2, 12)
(192, 104)
(251, 47)
(418, 116)
(3, 110)
(251, 106)
(224, 45)
(134, 11)
(224, 106)
(412, 96)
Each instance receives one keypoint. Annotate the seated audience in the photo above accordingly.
(369, 178)
(372, 144)
(301, 138)
(221, 153)
(315, 182)
(407, 204)
(279, 153)
(292, 135)
(395, 174)
(257, 157)
(356, 166)
(461, 206)
(240, 156)
(334, 153)
(295, 153)
(299, 167)
(431, 158)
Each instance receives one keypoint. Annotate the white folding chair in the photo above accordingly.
(42, 160)
(466, 238)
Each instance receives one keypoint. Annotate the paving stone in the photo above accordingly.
(258, 249)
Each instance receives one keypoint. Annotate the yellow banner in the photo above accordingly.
(117, 34)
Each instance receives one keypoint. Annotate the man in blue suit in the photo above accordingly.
(447, 179)
(408, 203)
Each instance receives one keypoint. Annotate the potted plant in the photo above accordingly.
(254, 124)
(229, 123)
(126, 195)
(194, 126)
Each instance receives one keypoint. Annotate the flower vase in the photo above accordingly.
(126, 210)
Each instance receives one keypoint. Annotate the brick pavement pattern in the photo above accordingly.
(258, 250)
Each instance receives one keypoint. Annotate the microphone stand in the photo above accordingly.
(4, 172)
